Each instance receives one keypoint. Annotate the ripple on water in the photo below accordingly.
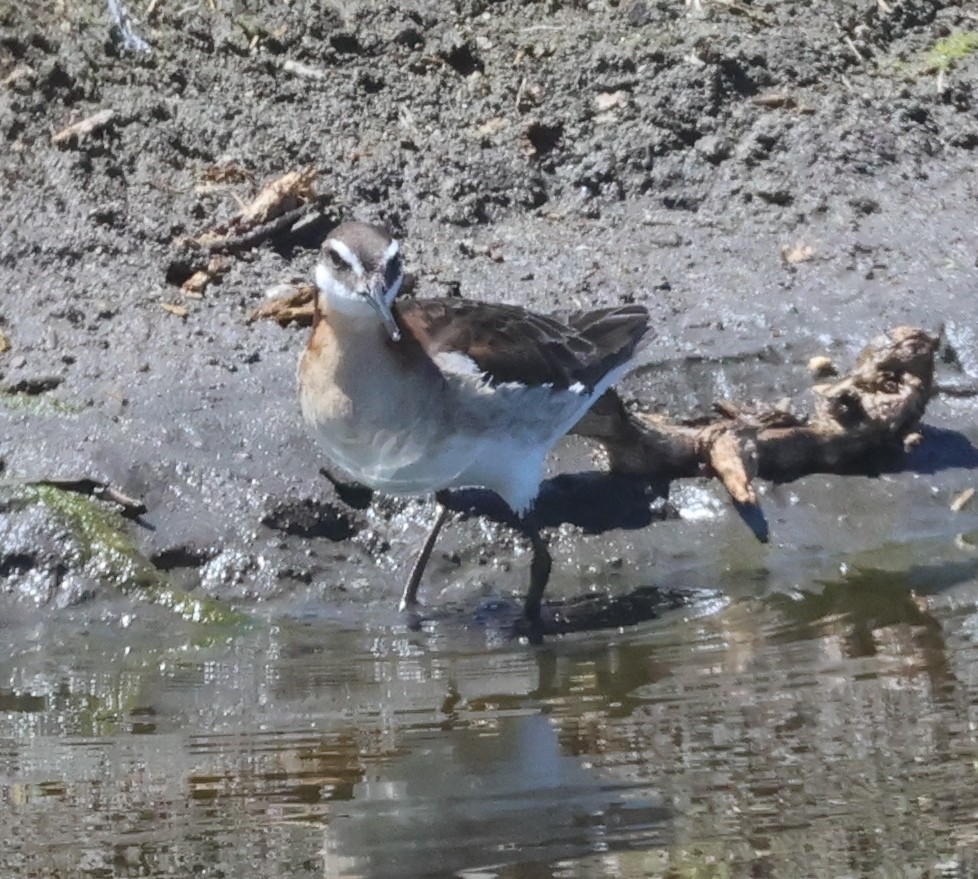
(810, 732)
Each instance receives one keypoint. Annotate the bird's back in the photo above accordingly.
(509, 344)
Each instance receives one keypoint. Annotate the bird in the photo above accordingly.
(424, 396)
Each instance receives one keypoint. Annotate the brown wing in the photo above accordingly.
(510, 344)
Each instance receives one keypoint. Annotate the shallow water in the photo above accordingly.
(825, 732)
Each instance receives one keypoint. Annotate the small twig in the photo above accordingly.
(298, 69)
(281, 195)
(283, 202)
(733, 458)
(84, 127)
(131, 508)
(295, 307)
(948, 389)
(862, 59)
(962, 500)
(252, 237)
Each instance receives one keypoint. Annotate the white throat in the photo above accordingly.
(337, 298)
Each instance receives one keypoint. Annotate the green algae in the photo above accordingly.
(941, 58)
(944, 54)
(108, 550)
(37, 404)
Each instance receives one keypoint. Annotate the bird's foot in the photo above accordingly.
(412, 611)
(530, 625)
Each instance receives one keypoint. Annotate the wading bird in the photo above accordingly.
(427, 395)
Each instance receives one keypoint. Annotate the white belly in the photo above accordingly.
(394, 461)
(496, 439)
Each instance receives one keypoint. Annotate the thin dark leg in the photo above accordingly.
(409, 598)
(539, 571)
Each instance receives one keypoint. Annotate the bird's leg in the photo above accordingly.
(409, 598)
(539, 570)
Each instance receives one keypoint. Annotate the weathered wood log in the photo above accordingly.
(877, 405)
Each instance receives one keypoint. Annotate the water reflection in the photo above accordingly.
(825, 733)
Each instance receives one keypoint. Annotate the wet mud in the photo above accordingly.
(772, 183)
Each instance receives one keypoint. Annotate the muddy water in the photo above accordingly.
(825, 732)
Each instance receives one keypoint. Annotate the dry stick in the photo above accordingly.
(252, 237)
(297, 68)
(131, 507)
(850, 43)
(958, 390)
(734, 460)
(296, 306)
(84, 126)
(962, 500)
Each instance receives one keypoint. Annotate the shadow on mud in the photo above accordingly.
(595, 502)
(941, 449)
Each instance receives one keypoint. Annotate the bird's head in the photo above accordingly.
(361, 273)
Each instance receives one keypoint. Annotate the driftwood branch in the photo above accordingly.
(877, 405)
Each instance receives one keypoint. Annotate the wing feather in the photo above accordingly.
(510, 344)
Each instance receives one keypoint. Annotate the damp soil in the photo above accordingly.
(773, 181)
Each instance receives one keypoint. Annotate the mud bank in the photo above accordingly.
(773, 180)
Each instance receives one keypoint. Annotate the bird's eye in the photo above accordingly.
(336, 260)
